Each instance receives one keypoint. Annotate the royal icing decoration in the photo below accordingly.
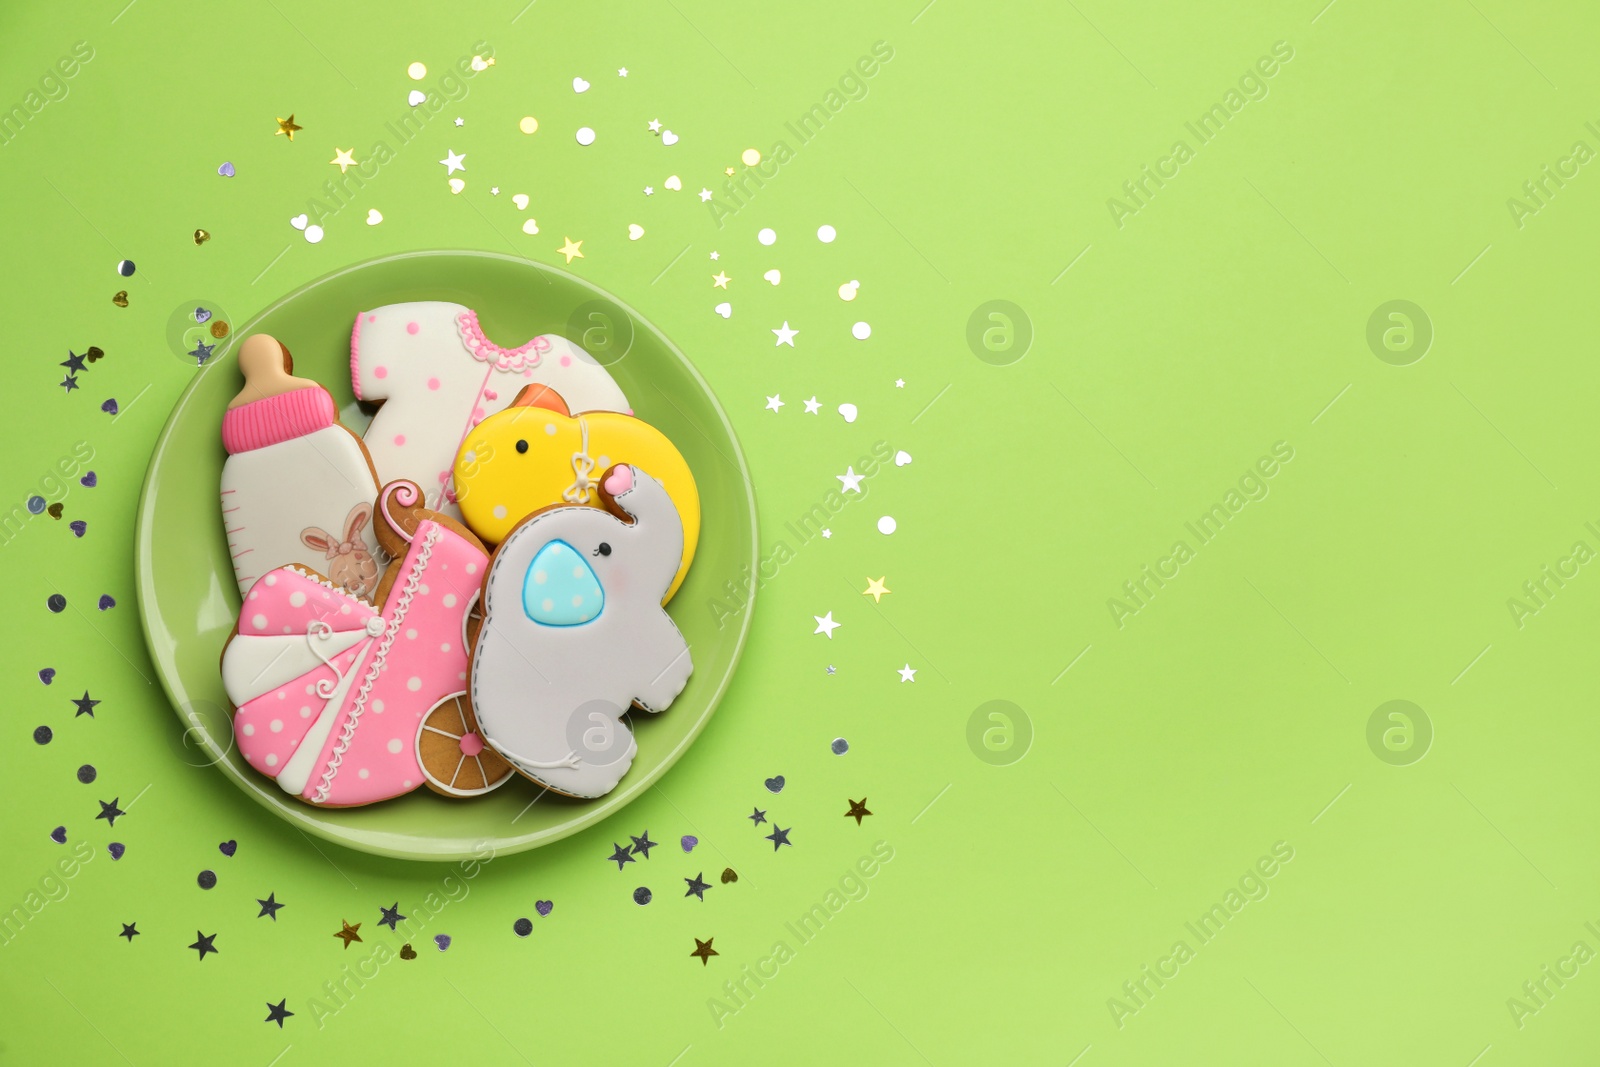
(551, 678)
(438, 376)
(535, 454)
(297, 487)
(331, 692)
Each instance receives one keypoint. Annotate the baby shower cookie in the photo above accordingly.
(574, 634)
(535, 454)
(438, 376)
(297, 487)
(331, 691)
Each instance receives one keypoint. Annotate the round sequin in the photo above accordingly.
(522, 927)
(87, 773)
(36, 504)
(840, 746)
(126, 268)
(207, 879)
(641, 896)
(57, 603)
(529, 124)
(767, 236)
(43, 735)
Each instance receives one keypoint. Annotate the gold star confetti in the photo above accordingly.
(875, 589)
(704, 951)
(728, 171)
(342, 158)
(287, 127)
(348, 934)
(720, 280)
(571, 249)
(858, 808)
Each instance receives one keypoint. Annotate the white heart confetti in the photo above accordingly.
(299, 222)
(456, 185)
(674, 183)
(848, 411)
(773, 276)
(579, 85)
(902, 458)
(373, 216)
(521, 200)
(313, 234)
(724, 309)
(415, 97)
(668, 138)
(585, 136)
(479, 63)
(635, 231)
(530, 227)
(847, 291)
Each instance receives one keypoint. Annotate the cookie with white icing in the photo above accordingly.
(297, 487)
(574, 634)
(438, 376)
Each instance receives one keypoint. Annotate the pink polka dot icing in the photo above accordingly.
(412, 327)
(380, 372)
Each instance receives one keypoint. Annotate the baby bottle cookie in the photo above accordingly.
(297, 487)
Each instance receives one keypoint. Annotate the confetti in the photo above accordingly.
(641, 896)
(287, 128)
(543, 907)
(668, 138)
(269, 907)
(826, 625)
(720, 280)
(206, 879)
(697, 887)
(276, 1013)
(78, 527)
(300, 221)
(858, 809)
(36, 505)
(579, 85)
(522, 927)
(407, 952)
(226, 170)
(774, 276)
(313, 234)
(784, 335)
(729, 876)
(453, 161)
(88, 481)
(43, 735)
(417, 71)
(530, 227)
(724, 309)
(59, 835)
(757, 816)
(529, 124)
(779, 837)
(343, 158)
(775, 784)
(813, 406)
(571, 249)
(107, 602)
(55, 510)
(848, 290)
(442, 940)
(585, 136)
(456, 185)
(674, 183)
(750, 157)
(643, 845)
(204, 943)
(126, 268)
(120, 298)
(848, 412)
(219, 329)
(703, 950)
(416, 97)
(861, 331)
(620, 854)
(87, 773)
(687, 842)
(116, 849)
(391, 916)
(228, 848)
(348, 933)
(85, 705)
(374, 216)
(902, 458)
(887, 525)
(56, 603)
(840, 746)
(767, 236)
(635, 231)
(201, 237)
(876, 589)
(129, 931)
(47, 675)
(907, 674)
(850, 480)
(826, 234)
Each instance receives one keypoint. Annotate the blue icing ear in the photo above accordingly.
(560, 588)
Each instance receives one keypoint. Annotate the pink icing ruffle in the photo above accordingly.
(275, 419)
(484, 350)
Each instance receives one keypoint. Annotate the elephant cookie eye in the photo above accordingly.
(603, 550)
(522, 446)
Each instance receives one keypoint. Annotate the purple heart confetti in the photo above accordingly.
(116, 848)
(59, 835)
(688, 842)
(79, 527)
(228, 848)
(226, 170)
(106, 602)
(109, 407)
(47, 675)
(543, 908)
(442, 940)
(775, 784)
(88, 481)
(202, 315)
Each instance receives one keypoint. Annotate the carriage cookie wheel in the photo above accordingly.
(455, 760)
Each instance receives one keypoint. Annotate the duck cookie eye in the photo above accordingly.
(522, 446)
(603, 550)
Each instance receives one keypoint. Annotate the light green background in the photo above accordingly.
(1230, 713)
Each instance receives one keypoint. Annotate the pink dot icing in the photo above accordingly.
(372, 318)
(380, 372)
(566, 361)
(433, 383)
(471, 744)
(412, 327)
(399, 439)
(477, 414)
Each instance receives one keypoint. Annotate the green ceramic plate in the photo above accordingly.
(188, 601)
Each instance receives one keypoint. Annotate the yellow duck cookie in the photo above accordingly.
(535, 454)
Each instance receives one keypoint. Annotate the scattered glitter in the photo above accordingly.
(347, 933)
(55, 510)
(858, 809)
(407, 952)
(88, 481)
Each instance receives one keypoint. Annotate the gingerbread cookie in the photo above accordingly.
(574, 634)
(297, 487)
(332, 692)
(438, 376)
(536, 454)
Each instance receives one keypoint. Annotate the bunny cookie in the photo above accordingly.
(574, 634)
(294, 471)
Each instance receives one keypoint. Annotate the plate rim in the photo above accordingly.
(304, 817)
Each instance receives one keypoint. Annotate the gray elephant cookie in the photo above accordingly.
(574, 634)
